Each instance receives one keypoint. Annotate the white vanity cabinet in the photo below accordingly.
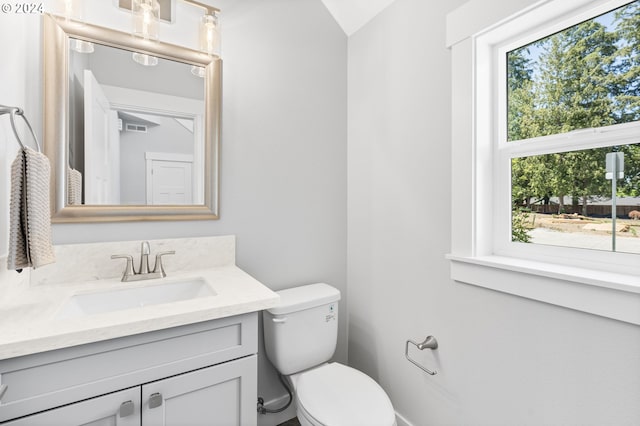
(213, 396)
(198, 374)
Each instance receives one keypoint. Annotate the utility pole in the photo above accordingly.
(614, 171)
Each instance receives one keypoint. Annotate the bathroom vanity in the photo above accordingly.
(175, 376)
(168, 363)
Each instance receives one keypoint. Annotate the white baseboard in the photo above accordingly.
(277, 418)
(401, 420)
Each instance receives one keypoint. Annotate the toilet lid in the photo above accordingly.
(337, 395)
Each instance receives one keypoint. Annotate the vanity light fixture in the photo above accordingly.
(146, 18)
(210, 34)
(71, 9)
(144, 59)
(209, 28)
(81, 46)
(198, 71)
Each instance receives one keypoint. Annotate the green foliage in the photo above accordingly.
(631, 185)
(586, 76)
(519, 229)
(628, 68)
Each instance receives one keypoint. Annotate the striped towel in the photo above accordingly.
(29, 212)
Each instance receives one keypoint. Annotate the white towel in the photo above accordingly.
(74, 187)
(29, 212)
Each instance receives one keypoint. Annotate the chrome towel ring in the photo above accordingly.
(13, 111)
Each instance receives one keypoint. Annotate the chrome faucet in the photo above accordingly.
(144, 258)
(143, 273)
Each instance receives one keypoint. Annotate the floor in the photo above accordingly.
(292, 422)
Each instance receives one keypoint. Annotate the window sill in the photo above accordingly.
(611, 295)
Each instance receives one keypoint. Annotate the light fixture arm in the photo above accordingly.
(210, 9)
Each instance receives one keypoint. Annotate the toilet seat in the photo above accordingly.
(336, 395)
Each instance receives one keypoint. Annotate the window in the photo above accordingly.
(568, 97)
(509, 155)
(562, 95)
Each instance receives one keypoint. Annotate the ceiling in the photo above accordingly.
(352, 15)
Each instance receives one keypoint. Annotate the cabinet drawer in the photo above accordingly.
(101, 411)
(50, 379)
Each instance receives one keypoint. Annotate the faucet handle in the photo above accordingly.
(158, 266)
(128, 270)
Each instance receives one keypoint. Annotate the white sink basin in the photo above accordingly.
(80, 305)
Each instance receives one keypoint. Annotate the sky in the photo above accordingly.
(535, 49)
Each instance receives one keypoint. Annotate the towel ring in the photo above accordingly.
(429, 343)
(13, 111)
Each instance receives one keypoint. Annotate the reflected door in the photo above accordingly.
(169, 181)
(101, 146)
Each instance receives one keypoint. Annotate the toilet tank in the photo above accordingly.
(302, 330)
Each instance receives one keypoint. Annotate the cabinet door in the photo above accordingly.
(222, 395)
(116, 409)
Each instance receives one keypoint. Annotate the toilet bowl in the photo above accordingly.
(337, 395)
(300, 338)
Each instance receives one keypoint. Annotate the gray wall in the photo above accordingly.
(161, 78)
(502, 360)
(283, 151)
(169, 137)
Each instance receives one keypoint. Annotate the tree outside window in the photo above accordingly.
(585, 77)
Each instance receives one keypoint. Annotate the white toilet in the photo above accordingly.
(300, 336)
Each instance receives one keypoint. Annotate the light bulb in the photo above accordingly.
(198, 71)
(146, 18)
(70, 9)
(81, 46)
(144, 59)
(210, 35)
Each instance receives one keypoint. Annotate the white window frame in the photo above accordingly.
(598, 282)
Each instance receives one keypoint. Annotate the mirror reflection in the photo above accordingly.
(136, 129)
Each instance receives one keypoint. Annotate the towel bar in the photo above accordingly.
(429, 343)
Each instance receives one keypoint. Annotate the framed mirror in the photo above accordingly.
(131, 126)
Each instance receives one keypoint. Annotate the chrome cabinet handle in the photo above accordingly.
(155, 400)
(127, 408)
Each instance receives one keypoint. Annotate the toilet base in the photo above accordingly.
(304, 421)
(304, 417)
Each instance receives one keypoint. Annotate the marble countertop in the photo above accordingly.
(29, 325)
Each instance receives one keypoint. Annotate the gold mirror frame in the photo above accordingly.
(56, 34)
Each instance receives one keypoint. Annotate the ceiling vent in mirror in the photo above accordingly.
(132, 127)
